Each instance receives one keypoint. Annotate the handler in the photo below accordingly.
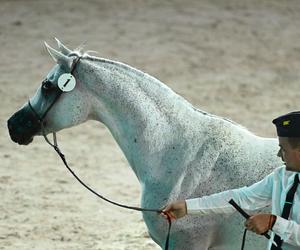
(278, 189)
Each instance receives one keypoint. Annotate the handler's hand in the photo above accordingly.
(175, 210)
(258, 223)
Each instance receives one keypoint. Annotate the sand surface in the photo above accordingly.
(238, 59)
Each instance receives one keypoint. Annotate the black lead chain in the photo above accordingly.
(62, 156)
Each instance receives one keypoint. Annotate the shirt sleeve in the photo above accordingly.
(289, 231)
(254, 197)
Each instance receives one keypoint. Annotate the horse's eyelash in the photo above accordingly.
(46, 84)
(46, 81)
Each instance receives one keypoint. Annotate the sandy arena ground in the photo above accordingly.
(238, 59)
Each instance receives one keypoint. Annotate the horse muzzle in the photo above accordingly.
(23, 126)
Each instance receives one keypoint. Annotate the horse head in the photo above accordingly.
(58, 103)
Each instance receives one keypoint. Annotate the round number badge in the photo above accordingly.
(66, 82)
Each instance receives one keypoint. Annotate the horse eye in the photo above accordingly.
(47, 85)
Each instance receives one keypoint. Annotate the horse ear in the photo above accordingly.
(63, 49)
(59, 58)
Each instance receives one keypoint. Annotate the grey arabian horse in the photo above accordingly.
(175, 150)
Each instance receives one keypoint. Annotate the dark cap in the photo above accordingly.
(288, 125)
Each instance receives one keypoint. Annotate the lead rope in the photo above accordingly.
(244, 239)
(54, 145)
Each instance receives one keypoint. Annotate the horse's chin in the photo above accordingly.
(22, 141)
(27, 142)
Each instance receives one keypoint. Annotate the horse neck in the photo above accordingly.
(140, 111)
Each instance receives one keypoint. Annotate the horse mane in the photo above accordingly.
(85, 54)
(221, 117)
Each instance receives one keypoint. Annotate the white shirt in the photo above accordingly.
(271, 190)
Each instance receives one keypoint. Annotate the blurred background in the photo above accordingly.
(236, 59)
